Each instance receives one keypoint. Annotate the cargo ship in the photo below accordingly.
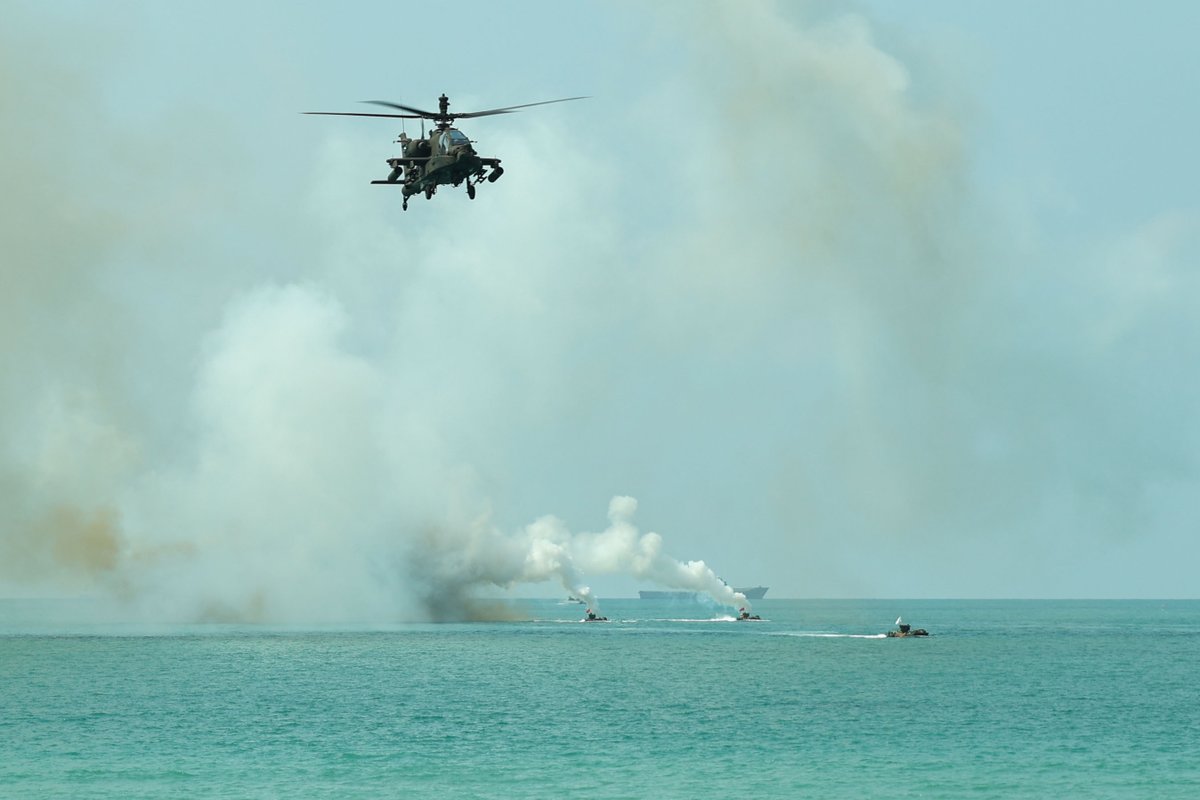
(751, 592)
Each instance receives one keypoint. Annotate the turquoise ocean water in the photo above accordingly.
(1006, 699)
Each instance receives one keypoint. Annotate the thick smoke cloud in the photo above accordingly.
(315, 448)
(967, 393)
(62, 451)
(787, 322)
(448, 565)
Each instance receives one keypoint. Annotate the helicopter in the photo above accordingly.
(446, 157)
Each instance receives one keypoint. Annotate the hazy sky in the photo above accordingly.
(855, 299)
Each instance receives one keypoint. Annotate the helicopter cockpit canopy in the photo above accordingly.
(452, 138)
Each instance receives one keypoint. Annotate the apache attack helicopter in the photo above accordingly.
(446, 157)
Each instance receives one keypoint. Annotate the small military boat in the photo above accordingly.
(594, 617)
(746, 616)
(903, 630)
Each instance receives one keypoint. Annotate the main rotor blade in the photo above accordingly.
(356, 114)
(417, 113)
(410, 109)
(510, 109)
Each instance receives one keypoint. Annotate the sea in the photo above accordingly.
(667, 699)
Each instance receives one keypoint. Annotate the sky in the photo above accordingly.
(844, 299)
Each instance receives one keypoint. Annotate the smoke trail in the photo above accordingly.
(448, 566)
(621, 549)
(451, 565)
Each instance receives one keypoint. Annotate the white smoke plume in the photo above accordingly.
(449, 564)
(620, 548)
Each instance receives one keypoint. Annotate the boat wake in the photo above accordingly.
(815, 635)
(634, 621)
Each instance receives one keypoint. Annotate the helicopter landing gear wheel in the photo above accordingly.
(404, 205)
(428, 192)
(471, 190)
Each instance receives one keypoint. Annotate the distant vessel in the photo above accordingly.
(905, 630)
(751, 592)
